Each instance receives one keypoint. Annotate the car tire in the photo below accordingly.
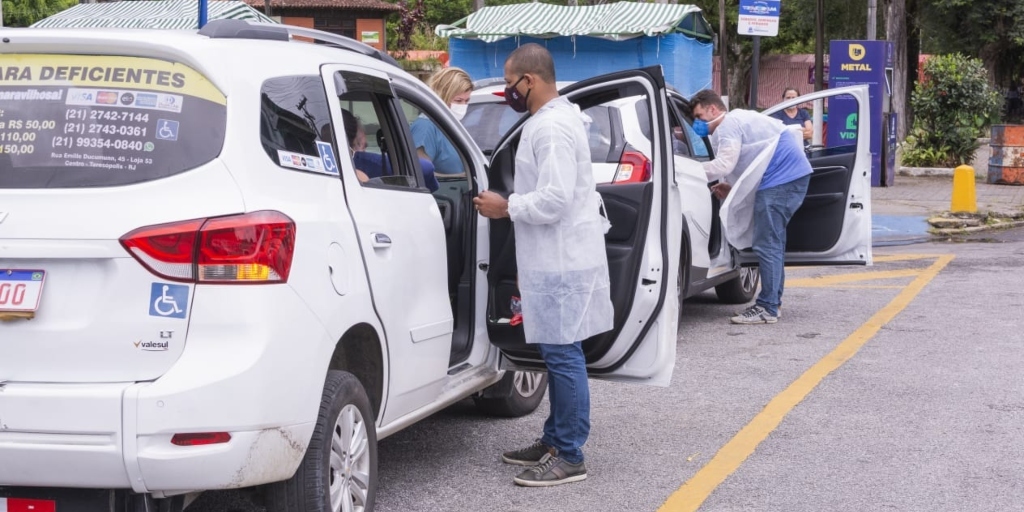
(517, 394)
(334, 471)
(740, 289)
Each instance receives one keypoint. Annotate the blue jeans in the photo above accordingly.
(773, 207)
(568, 423)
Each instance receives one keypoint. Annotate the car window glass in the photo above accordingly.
(618, 132)
(700, 147)
(434, 146)
(643, 116)
(600, 133)
(376, 145)
(488, 121)
(295, 124)
(72, 121)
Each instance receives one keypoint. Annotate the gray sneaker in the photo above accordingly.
(552, 471)
(529, 456)
(778, 312)
(754, 315)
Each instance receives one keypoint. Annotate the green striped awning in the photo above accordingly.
(619, 20)
(159, 14)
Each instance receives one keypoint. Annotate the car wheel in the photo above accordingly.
(516, 394)
(339, 470)
(740, 289)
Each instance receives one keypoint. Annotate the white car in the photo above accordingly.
(198, 291)
(621, 131)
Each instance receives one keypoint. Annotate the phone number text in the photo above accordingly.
(97, 142)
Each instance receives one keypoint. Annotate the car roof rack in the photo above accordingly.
(242, 29)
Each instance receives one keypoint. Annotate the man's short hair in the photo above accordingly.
(706, 98)
(534, 59)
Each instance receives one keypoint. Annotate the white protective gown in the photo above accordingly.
(560, 249)
(744, 145)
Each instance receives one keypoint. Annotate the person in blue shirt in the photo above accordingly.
(371, 166)
(738, 138)
(795, 115)
(453, 86)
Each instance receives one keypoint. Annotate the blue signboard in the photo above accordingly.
(759, 17)
(858, 63)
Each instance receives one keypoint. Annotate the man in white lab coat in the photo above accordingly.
(746, 143)
(560, 256)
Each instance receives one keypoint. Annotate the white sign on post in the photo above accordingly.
(759, 17)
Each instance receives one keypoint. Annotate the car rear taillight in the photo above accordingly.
(633, 167)
(249, 248)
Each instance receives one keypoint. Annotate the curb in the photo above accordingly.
(925, 171)
(975, 229)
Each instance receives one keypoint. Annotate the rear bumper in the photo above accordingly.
(72, 435)
(56, 434)
(260, 380)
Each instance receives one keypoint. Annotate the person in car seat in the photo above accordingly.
(453, 86)
(765, 162)
(561, 259)
(371, 166)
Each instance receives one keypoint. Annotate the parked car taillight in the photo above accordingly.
(633, 167)
(249, 248)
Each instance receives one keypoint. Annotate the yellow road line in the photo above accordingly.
(696, 490)
(817, 282)
(867, 286)
(904, 257)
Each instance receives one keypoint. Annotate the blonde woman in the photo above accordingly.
(453, 86)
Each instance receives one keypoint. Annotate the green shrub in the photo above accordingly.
(916, 155)
(953, 106)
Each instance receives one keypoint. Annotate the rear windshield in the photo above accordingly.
(99, 121)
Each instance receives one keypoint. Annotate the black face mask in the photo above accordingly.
(515, 100)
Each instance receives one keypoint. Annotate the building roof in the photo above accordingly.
(619, 20)
(363, 5)
(159, 14)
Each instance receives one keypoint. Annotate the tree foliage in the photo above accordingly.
(843, 20)
(992, 30)
(953, 106)
(22, 13)
(409, 21)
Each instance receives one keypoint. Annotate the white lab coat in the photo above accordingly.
(744, 145)
(560, 249)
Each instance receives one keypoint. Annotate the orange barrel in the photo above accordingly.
(1006, 165)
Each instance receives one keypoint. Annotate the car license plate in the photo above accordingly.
(27, 505)
(20, 291)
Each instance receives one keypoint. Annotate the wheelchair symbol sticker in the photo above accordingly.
(166, 129)
(168, 300)
(327, 157)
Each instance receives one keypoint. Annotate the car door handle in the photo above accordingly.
(380, 240)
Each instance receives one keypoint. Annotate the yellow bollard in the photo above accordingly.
(964, 199)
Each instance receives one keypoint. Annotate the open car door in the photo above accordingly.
(642, 247)
(833, 226)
